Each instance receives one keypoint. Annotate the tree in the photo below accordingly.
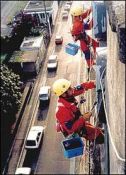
(10, 95)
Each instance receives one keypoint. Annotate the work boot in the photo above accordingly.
(88, 70)
(88, 73)
(100, 139)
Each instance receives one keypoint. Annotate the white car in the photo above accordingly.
(34, 137)
(67, 7)
(52, 62)
(58, 39)
(65, 15)
(23, 170)
(44, 93)
(69, 2)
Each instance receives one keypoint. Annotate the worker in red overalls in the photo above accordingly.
(68, 114)
(78, 32)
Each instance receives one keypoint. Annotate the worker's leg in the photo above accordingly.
(88, 58)
(94, 133)
(100, 139)
(90, 62)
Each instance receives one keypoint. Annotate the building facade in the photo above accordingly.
(44, 11)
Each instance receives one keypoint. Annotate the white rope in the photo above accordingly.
(113, 145)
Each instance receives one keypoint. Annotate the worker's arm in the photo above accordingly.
(89, 25)
(87, 13)
(79, 89)
(88, 85)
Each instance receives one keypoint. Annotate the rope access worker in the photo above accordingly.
(78, 32)
(68, 114)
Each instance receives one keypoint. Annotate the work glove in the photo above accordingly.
(87, 115)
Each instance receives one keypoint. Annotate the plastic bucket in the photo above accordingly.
(71, 49)
(73, 147)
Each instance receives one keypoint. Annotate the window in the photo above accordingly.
(43, 95)
(42, 15)
(30, 143)
(37, 139)
(52, 61)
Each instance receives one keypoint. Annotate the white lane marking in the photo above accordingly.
(72, 165)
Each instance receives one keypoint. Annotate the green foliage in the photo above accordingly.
(10, 94)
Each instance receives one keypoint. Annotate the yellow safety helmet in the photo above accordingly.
(60, 86)
(76, 10)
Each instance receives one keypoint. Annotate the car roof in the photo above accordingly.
(24, 170)
(52, 57)
(58, 36)
(34, 131)
(64, 12)
(37, 128)
(44, 89)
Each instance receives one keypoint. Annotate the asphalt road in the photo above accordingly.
(49, 159)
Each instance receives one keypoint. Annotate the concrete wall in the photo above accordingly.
(115, 101)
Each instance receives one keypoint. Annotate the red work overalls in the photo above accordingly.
(66, 115)
(78, 27)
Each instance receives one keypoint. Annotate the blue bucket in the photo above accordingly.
(71, 49)
(73, 147)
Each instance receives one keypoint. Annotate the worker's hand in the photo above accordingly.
(89, 85)
(94, 81)
(87, 20)
(87, 115)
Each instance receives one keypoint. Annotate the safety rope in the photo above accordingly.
(90, 48)
(110, 136)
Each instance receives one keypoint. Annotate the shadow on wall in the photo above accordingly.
(121, 35)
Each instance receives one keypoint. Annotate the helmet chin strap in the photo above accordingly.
(70, 98)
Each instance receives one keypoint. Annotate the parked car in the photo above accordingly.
(44, 93)
(67, 7)
(58, 39)
(65, 15)
(23, 170)
(69, 2)
(34, 137)
(52, 62)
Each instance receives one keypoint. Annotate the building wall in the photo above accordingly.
(115, 101)
(40, 12)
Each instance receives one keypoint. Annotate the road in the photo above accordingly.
(49, 159)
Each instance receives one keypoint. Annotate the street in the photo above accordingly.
(108, 72)
(49, 159)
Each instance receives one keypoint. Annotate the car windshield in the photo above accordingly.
(52, 61)
(30, 143)
(43, 95)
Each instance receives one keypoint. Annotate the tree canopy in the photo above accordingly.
(10, 94)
